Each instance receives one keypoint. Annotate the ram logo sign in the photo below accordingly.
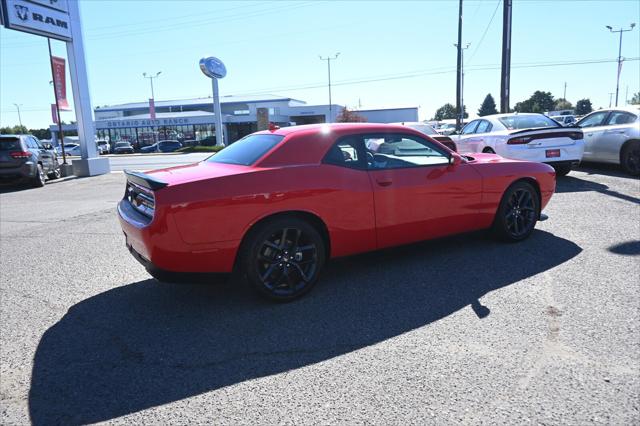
(32, 17)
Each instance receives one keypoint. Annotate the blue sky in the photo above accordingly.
(273, 47)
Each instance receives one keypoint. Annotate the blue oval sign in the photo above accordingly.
(213, 67)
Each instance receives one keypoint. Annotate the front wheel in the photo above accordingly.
(517, 213)
(55, 174)
(630, 158)
(282, 258)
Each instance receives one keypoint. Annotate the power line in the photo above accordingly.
(485, 31)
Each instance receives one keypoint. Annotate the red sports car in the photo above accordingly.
(274, 206)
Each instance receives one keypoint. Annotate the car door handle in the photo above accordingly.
(384, 182)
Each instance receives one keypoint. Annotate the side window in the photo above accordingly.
(37, 143)
(470, 128)
(347, 152)
(620, 117)
(31, 144)
(484, 127)
(391, 151)
(594, 119)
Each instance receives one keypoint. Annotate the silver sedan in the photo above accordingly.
(612, 135)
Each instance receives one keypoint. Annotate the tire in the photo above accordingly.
(488, 150)
(630, 158)
(518, 213)
(39, 178)
(562, 169)
(55, 174)
(282, 258)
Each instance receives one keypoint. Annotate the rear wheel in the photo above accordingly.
(562, 169)
(630, 158)
(518, 213)
(282, 258)
(39, 178)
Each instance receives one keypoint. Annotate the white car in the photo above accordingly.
(612, 135)
(565, 120)
(523, 136)
(446, 129)
(69, 149)
(103, 146)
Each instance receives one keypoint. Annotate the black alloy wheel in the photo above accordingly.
(518, 212)
(631, 159)
(39, 178)
(283, 258)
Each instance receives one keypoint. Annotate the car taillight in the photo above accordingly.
(142, 199)
(519, 141)
(575, 135)
(20, 154)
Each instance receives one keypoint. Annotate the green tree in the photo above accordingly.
(448, 112)
(562, 104)
(635, 100)
(538, 102)
(41, 133)
(583, 106)
(488, 106)
(15, 130)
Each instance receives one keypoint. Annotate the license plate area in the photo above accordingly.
(552, 153)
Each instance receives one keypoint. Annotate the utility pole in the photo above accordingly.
(329, 59)
(565, 91)
(621, 30)
(151, 77)
(19, 117)
(610, 98)
(505, 77)
(459, 105)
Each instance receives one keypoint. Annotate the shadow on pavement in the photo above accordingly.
(146, 344)
(575, 184)
(605, 169)
(628, 248)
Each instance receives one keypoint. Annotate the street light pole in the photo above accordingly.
(621, 30)
(19, 118)
(460, 102)
(329, 59)
(151, 77)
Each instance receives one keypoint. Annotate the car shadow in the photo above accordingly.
(613, 170)
(628, 248)
(147, 343)
(575, 184)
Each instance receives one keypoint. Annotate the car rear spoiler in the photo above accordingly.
(145, 180)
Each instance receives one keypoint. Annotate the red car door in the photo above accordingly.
(418, 194)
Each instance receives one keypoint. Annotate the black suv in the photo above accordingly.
(25, 157)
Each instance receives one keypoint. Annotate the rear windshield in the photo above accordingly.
(121, 144)
(513, 122)
(10, 144)
(247, 150)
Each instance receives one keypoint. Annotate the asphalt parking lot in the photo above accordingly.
(462, 330)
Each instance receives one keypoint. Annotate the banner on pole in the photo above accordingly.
(60, 81)
(152, 109)
(54, 114)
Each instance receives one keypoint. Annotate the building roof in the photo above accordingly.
(198, 101)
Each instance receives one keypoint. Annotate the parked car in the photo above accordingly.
(162, 146)
(103, 146)
(123, 148)
(523, 136)
(565, 120)
(25, 157)
(69, 149)
(613, 136)
(446, 129)
(275, 205)
(431, 132)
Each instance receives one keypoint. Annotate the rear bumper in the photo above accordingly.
(158, 245)
(567, 153)
(27, 170)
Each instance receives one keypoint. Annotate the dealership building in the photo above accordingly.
(193, 119)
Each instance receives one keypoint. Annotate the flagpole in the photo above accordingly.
(55, 94)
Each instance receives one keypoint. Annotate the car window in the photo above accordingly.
(392, 151)
(247, 150)
(8, 143)
(37, 142)
(470, 128)
(620, 117)
(484, 127)
(595, 119)
(347, 152)
(513, 122)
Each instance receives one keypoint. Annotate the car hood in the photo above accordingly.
(481, 158)
(197, 171)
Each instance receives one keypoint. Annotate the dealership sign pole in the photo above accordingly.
(60, 20)
(215, 69)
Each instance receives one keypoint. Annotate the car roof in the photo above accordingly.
(629, 108)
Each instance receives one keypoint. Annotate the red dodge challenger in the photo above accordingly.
(274, 206)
